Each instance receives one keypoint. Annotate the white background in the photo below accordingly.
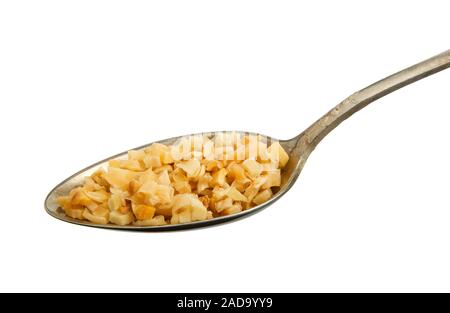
(82, 80)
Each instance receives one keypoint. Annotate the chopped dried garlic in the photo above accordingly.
(118, 218)
(96, 219)
(218, 178)
(235, 195)
(195, 179)
(277, 153)
(262, 197)
(191, 167)
(253, 168)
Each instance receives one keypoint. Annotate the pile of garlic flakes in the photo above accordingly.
(197, 178)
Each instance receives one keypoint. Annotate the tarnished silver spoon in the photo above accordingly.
(299, 148)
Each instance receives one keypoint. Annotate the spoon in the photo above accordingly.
(299, 148)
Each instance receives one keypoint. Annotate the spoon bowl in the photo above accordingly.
(62, 189)
(298, 148)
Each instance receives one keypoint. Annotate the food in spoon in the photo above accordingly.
(197, 178)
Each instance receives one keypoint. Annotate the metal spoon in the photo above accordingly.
(299, 147)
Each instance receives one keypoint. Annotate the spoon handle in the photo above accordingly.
(316, 132)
